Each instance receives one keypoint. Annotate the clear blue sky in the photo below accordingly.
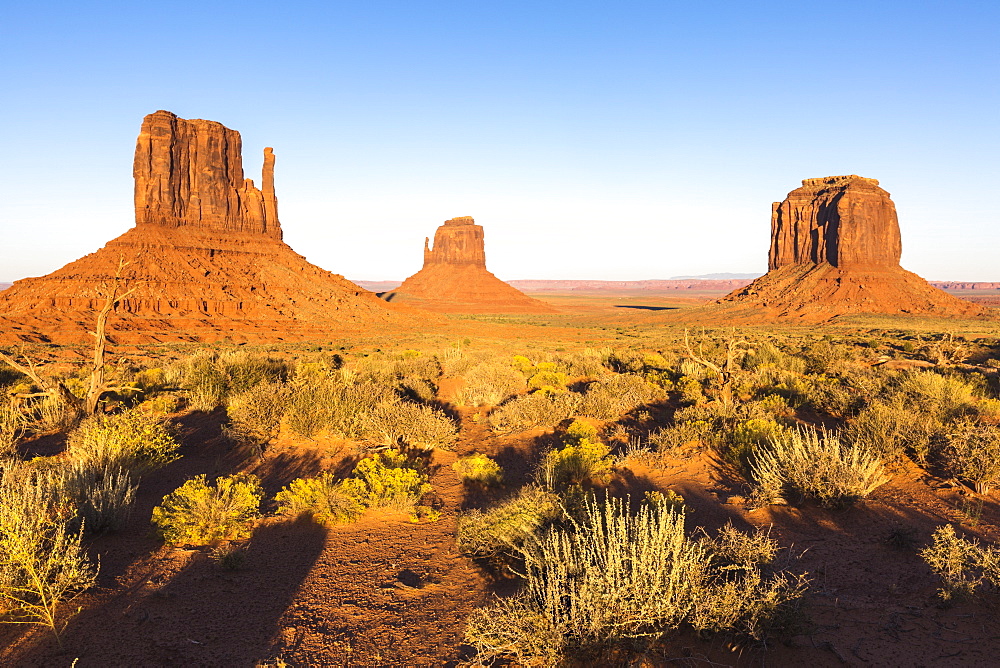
(616, 140)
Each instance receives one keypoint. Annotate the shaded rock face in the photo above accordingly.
(454, 278)
(458, 242)
(190, 173)
(835, 248)
(205, 257)
(840, 220)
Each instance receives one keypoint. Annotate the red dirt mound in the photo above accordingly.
(835, 248)
(454, 278)
(206, 259)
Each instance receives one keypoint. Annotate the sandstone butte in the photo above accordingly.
(206, 258)
(835, 249)
(454, 278)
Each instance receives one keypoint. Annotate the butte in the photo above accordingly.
(206, 258)
(454, 278)
(835, 248)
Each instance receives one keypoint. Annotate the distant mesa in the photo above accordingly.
(835, 248)
(721, 276)
(206, 257)
(454, 278)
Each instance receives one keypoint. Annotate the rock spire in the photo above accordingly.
(205, 256)
(454, 278)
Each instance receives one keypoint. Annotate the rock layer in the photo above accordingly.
(454, 278)
(205, 257)
(835, 248)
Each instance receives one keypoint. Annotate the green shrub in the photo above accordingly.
(478, 468)
(502, 530)
(489, 384)
(548, 381)
(134, 441)
(581, 459)
(323, 497)
(958, 562)
(615, 576)
(197, 513)
(894, 430)
(387, 480)
(534, 410)
(612, 397)
(944, 397)
(819, 466)
(42, 562)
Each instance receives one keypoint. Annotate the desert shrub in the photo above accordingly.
(489, 384)
(333, 402)
(199, 513)
(739, 443)
(13, 423)
(581, 459)
(766, 354)
(958, 562)
(101, 492)
(135, 441)
(418, 389)
(615, 576)
(409, 424)
(51, 414)
(816, 465)
(674, 439)
(534, 410)
(163, 403)
(735, 548)
(478, 468)
(387, 480)
(944, 397)
(211, 378)
(609, 398)
(503, 529)
(42, 562)
(586, 363)
(894, 429)
(972, 453)
(255, 415)
(690, 390)
(322, 497)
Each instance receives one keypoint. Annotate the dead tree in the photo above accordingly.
(725, 373)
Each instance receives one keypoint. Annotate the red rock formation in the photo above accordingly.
(835, 248)
(206, 257)
(454, 278)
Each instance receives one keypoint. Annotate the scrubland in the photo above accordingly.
(656, 496)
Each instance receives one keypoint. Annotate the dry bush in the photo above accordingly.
(502, 530)
(478, 468)
(816, 465)
(134, 441)
(944, 397)
(322, 497)
(42, 563)
(13, 424)
(972, 453)
(894, 429)
(586, 363)
(102, 493)
(412, 425)
(537, 409)
(615, 576)
(489, 384)
(197, 513)
(255, 415)
(675, 439)
(211, 378)
(336, 403)
(610, 398)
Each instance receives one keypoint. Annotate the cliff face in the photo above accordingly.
(454, 278)
(205, 256)
(190, 173)
(835, 248)
(457, 242)
(840, 220)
